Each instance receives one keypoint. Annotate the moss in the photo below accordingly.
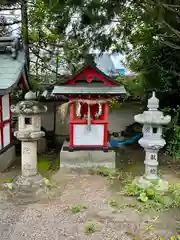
(103, 171)
(10, 180)
(55, 164)
(43, 164)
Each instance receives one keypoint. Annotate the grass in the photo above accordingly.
(103, 172)
(78, 208)
(10, 180)
(113, 203)
(137, 232)
(90, 226)
(75, 208)
(84, 206)
(150, 198)
(141, 199)
(122, 176)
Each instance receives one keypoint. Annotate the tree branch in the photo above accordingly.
(9, 32)
(170, 8)
(40, 65)
(171, 5)
(176, 32)
(168, 71)
(49, 51)
(25, 29)
(169, 44)
(5, 24)
(9, 9)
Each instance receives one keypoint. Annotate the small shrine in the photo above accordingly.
(153, 121)
(89, 93)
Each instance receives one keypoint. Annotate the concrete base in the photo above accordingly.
(87, 159)
(159, 184)
(29, 189)
(7, 158)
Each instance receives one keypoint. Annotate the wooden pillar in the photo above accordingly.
(10, 119)
(71, 132)
(1, 123)
(105, 124)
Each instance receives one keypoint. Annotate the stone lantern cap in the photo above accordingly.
(153, 115)
(28, 107)
(153, 103)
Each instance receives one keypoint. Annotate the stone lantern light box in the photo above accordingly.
(29, 122)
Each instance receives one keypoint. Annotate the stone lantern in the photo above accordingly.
(29, 132)
(152, 141)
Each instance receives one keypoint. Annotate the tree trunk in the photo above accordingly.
(24, 17)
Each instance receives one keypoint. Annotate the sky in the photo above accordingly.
(117, 60)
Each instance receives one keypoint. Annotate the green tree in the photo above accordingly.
(148, 26)
(153, 33)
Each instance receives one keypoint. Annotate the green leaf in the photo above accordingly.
(52, 36)
(34, 35)
(150, 193)
(142, 197)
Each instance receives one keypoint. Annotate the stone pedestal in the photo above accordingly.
(29, 189)
(29, 158)
(29, 186)
(86, 159)
(151, 164)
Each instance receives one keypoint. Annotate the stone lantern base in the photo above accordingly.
(159, 184)
(29, 189)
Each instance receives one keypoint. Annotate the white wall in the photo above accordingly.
(84, 137)
(6, 116)
(47, 119)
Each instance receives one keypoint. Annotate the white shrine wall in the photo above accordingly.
(5, 122)
(83, 137)
(7, 150)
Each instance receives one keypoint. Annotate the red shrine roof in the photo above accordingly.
(90, 80)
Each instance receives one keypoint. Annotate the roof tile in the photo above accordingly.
(89, 90)
(10, 70)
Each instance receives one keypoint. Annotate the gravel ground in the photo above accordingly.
(53, 219)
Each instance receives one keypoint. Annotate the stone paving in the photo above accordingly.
(52, 218)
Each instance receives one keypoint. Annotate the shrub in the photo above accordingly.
(90, 227)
